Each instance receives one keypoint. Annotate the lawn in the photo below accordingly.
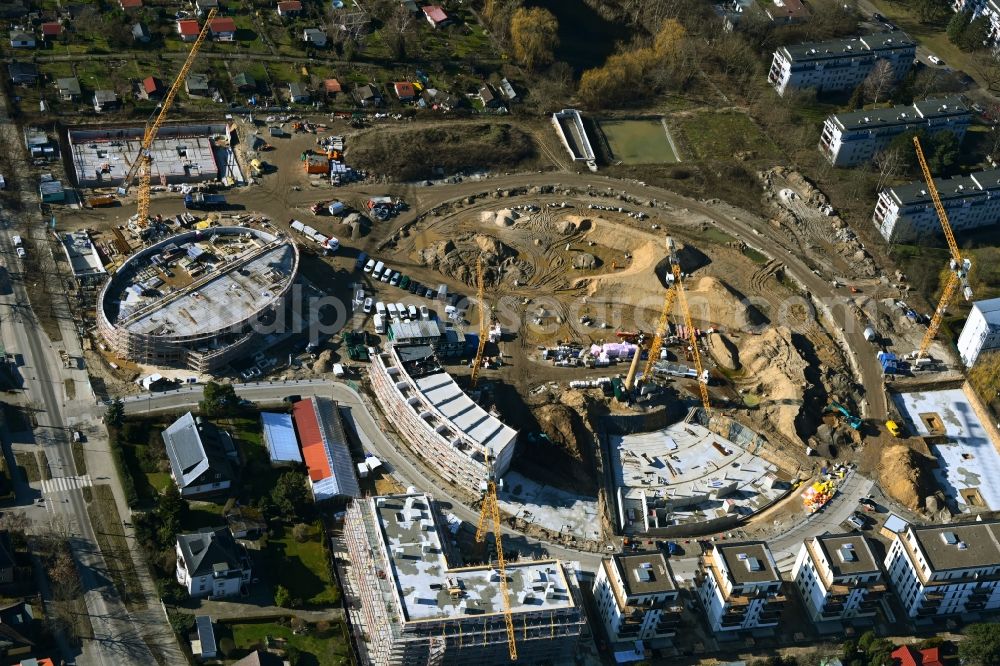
(718, 136)
(303, 568)
(111, 539)
(318, 648)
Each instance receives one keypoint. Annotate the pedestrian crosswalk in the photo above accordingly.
(63, 483)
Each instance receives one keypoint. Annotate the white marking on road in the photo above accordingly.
(65, 483)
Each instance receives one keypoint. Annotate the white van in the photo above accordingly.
(393, 312)
(369, 266)
(380, 309)
(378, 269)
(16, 240)
(412, 309)
(379, 323)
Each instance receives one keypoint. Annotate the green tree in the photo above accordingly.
(291, 495)
(857, 99)
(957, 27)
(929, 11)
(944, 152)
(977, 34)
(218, 399)
(114, 415)
(981, 645)
(534, 34)
(282, 597)
(171, 509)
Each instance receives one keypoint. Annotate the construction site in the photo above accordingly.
(181, 153)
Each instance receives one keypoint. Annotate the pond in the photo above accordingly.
(644, 141)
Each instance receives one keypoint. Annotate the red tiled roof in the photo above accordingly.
(313, 449)
(931, 657)
(188, 27)
(290, 6)
(435, 13)
(905, 656)
(151, 84)
(404, 89)
(223, 24)
(332, 86)
(52, 29)
(130, 4)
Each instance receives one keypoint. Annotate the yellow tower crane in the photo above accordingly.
(491, 511)
(144, 159)
(958, 266)
(484, 330)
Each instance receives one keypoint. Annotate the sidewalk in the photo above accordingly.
(236, 610)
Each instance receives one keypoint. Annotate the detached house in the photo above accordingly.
(298, 93)
(314, 36)
(140, 33)
(488, 97)
(244, 82)
(23, 73)
(188, 29)
(436, 16)
(204, 5)
(69, 89)
(152, 88)
(130, 4)
(404, 91)
(223, 29)
(289, 8)
(51, 29)
(197, 84)
(201, 456)
(106, 100)
(210, 563)
(368, 95)
(21, 40)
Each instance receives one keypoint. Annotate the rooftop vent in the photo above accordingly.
(643, 574)
(754, 564)
(949, 538)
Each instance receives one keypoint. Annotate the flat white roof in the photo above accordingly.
(441, 391)
(429, 589)
(82, 254)
(968, 458)
(279, 435)
(990, 310)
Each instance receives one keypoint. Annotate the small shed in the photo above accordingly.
(297, 93)
(51, 191)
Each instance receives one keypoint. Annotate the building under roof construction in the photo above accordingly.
(420, 605)
(325, 449)
(198, 299)
(181, 154)
(442, 424)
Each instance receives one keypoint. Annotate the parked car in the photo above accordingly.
(369, 266)
(21, 254)
(414, 286)
(857, 521)
(404, 282)
(934, 59)
(424, 312)
(360, 261)
(387, 274)
(878, 17)
(291, 398)
(670, 548)
(368, 305)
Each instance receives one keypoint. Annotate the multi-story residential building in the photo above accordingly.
(420, 605)
(906, 212)
(740, 587)
(441, 424)
(840, 64)
(855, 137)
(838, 577)
(946, 569)
(211, 563)
(636, 598)
(981, 331)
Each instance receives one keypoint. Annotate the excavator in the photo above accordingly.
(850, 419)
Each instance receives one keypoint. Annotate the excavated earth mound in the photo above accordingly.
(777, 370)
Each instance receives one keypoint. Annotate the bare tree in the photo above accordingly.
(396, 30)
(889, 163)
(879, 81)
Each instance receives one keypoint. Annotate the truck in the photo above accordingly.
(200, 201)
(870, 334)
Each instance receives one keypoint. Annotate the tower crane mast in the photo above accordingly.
(958, 266)
(143, 161)
(490, 511)
(484, 330)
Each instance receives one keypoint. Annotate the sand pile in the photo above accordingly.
(457, 258)
(324, 362)
(777, 371)
(723, 351)
(713, 302)
(903, 475)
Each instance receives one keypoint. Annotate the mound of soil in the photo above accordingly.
(904, 475)
(777, 370)
(413, 154)
(723, 351)
(712, 301)
(457, 258)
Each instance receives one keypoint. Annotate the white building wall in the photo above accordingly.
(980, 333)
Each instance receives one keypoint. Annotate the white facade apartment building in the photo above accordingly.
(906, 212)
(855, 137)
(740, 587)
(838, 577)
(636, 597)
(988, 8)
(436, 419)
(940, 570)
(840, 64)
(981, 331)
(420, 605)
